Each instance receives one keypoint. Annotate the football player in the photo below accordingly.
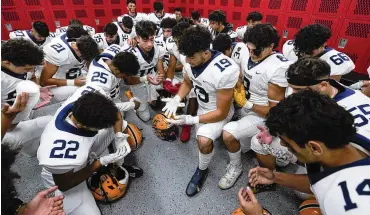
(150, 57)
(18, 60)
(213, 77)
(110, 36)
(65, 56)
(312, 41)
(159, 14)
(253, 19)
(162, 40)
(39, 34)
(87, 28)
(218, 24)
(314, 74)
(126, 28)
(264, 82)
(81, 130)
(197, 20)
(131, 8)
(320, 133)
(178, 13)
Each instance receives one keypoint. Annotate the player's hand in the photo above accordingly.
(136, 101)
(120, 141)
(173, 89)
(18, 106)
(261, 175)
(45, 96)
(239, 95)
(80, 81)
(184, 120)
(171, 106)
(264, 137)
(248, 202)
(42, 205)
(112, 158)
(125, 106)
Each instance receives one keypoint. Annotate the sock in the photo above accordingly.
(235, 158)
(205, 159)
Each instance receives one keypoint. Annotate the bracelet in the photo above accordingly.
(70, 82)
(143, 79)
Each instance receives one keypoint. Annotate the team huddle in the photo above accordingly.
(286, 107)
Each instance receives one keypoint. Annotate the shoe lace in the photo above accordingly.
(230, 171)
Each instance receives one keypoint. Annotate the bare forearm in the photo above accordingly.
(53, 81)
(171, 69)
(184, 90)
(294, 181)
(261, 110)
(6, 122)
(213, 116)
(118, 126)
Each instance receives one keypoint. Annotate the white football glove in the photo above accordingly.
(171, 106)
(134, 99)
(112, 158)
(184, 120)
(125, 106)
(120, 140)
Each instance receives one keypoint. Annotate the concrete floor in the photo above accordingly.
(168, 167)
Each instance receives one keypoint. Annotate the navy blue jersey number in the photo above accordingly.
(65, 150)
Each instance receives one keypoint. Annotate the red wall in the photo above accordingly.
(349, 20)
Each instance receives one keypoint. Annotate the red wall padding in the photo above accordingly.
(349, 20)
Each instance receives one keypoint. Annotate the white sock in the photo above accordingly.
(205, 159)
(236, 158)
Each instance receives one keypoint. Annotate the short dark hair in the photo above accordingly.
(110, 29)
(41, 28)
(158, 6)
(195, 14)
(168, 23)
(254, 16)
(307, 115)
(126, 63)
(222, 42)
(130, 1)
(75, 22)
(178, 9)
(179, 28)
(21, 52)
(75, 31)
(194, 39)
(311, 37)
(94, 110)
(217, 16)
(127, 22)
(87, 47)
(145, 29)
(185, 19)
(309, 68)
(262, 35)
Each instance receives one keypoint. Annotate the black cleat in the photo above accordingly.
(133, 171)
(196, 182)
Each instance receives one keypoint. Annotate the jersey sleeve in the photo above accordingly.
(12, 35)
(279, 76)
(89, 30)
(232, 34)
(342, 69)
(99, 40)
(288, 50)
(53, 56)
(229, 78)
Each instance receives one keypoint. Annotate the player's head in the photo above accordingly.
(40, 30)
(194, 44)
(254, 18)
(20, 56)
(195, 15)
(222, 43)
(261, 40)
(308, 72)
(167, 25)
(311, 125)
(158, 8)
(75, 22)
(125, 64)
(145, 31)
(187, 20)
(110, 32)
(178, 13)
(311, 40)
(179, 29)
(86, 48)
(131, 6)
(127, 24)
(75, 31)
(217, 19)
(93, 111)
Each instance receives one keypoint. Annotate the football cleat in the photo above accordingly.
(196, 182)
(185, 133)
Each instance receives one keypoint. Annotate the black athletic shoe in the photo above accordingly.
(196, 182)
(133, 171)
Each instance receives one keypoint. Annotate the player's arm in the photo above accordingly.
(223, 102)
(160, 67)
(70, 179)
(46, 78)
(171, 67)
(185, 87)
(299, 182)
(275, 93)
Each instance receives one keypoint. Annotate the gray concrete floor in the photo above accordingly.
(168, 167)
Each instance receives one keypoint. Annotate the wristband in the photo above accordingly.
(196, 119)
(143, 79)
(178, 99)
(248, 105)
(70, 82)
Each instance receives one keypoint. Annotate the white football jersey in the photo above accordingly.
(137, 18)
(240, 31)
(124, 34)
(103, 44)
(27, 36)
(174, 50)
(162, 42)
(204, 22)
(240, 53)
(9, 82)
(220, 72)
(228, 30)
(60, 53)
(87, 28)
(340, 63)
(157, 20)
(100, 75)
(148, 62)
(258, 75)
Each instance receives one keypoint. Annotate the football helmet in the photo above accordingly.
(164, 130)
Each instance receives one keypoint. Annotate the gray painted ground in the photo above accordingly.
(168, 167)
